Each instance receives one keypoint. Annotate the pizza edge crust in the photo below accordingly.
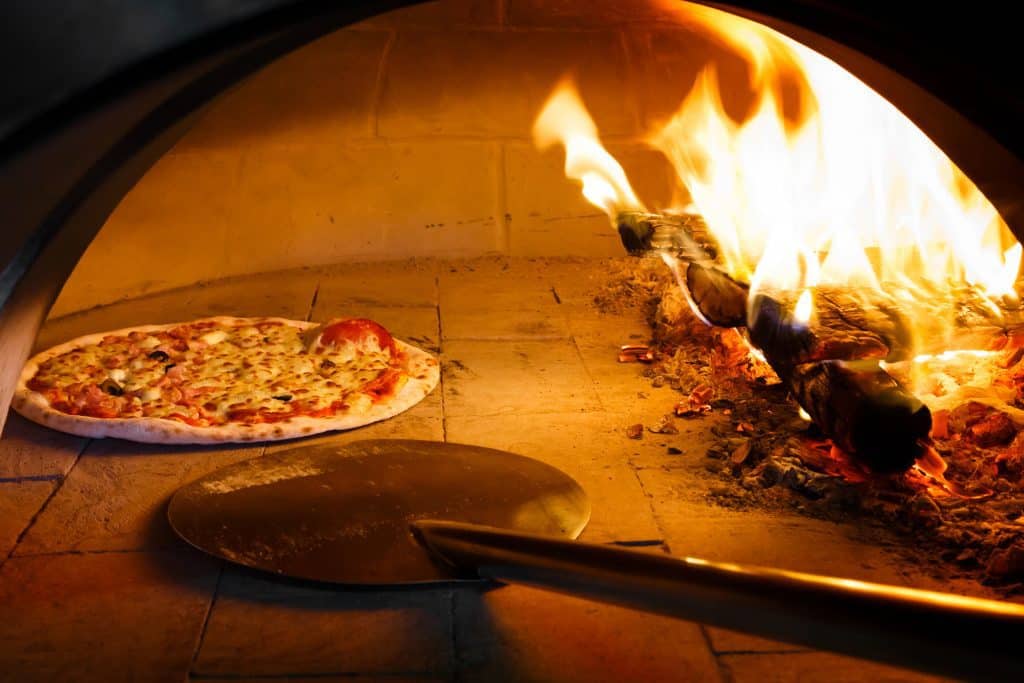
(421, 369)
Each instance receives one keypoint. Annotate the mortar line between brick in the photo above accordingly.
(440, 363)
(31, 477)
(46, 503)
(206, 618)
(719, 664)
(378, 86)
(667, 547)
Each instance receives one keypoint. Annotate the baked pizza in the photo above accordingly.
(225, 379)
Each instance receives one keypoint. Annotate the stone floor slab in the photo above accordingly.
(516, 377)
(31, 450)
(102, 617)
(696, 527)
(514, 633)
(115, 498)
(19, 502)
(284, 294)
(577, 444)
(264, 627)
(499, 299)
(724, 642)
(420, 422)
(814, 667)
(411, 282)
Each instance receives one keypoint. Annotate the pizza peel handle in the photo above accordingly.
(952, 635)
(342, 514)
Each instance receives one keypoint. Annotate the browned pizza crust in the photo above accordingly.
(420, 367)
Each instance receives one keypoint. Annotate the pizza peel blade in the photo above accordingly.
(343, 513)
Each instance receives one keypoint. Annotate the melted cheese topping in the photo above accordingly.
(209, 373)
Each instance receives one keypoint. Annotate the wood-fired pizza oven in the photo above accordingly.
(163, 161)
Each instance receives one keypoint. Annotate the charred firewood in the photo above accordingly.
(863, 410)
(840, 331)
(719, 298)
(684, 234)
(831, 362)
(773, 330)
(839, 382)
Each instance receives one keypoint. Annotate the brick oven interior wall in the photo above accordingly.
(406, 135)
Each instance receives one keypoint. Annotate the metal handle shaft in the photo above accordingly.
(935, 632)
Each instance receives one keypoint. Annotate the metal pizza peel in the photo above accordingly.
(343, 514)
(386, 512)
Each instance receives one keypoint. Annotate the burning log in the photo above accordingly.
(842, 330)
(721, 300)
(830, 363)
(684, 234)
(840, 384)
(864, 410)
(774, 331)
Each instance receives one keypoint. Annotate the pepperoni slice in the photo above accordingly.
(358, 331)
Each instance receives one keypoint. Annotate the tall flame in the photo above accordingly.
(565, 120)
(851, 194)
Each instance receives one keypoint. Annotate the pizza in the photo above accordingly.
(225, 379)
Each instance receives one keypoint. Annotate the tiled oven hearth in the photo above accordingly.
(96, 587)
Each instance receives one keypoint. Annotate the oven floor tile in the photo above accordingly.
(287, 294)
(512, 633)
(267, 627)
(31, 450)
(515, 378)
(399, 283)
(814, 667)
(499, 299)
(576, 443)
(418, 423)
(115, 498)
(19, 502)
(103, 617)
(697, 526)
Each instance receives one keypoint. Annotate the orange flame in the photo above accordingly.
(564, 119)
(851, 194)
